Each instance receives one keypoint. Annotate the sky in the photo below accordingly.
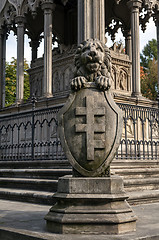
(11, 49)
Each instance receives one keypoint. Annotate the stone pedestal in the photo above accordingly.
(91, 206)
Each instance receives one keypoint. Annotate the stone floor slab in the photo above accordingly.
(25, 221)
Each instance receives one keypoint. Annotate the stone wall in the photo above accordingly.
(63, 72)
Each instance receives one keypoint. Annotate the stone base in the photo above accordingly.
(91, 206)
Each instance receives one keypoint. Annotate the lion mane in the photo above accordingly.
(104, 63)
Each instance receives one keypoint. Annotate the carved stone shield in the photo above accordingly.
(90, 129)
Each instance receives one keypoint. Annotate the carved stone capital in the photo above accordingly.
(34, 43)
(48, 5)
(20, 20)
(134, 4)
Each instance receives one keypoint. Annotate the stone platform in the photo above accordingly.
(91, 206)
(25, 221)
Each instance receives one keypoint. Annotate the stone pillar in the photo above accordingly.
(2, 67)
(128, 44)
(20, 59)
(91, 20)
(48, 7)
(134, 6)
(34, 44)
(157, 28)
(128, 51)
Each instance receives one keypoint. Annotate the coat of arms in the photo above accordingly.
(90, 123)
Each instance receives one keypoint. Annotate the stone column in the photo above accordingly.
(48, 7)
(91, 20)
(20, 59)
(157, 28)
(2, 67)
(128, 44)
(134, 6)
(128, 51)
(34, 44)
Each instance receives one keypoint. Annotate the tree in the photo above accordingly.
(149, 80)
(10, 87)
(148, 53)
(148, 70)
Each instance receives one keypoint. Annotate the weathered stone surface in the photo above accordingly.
(71, 185)
(90, 123)
(91, 206)
(93, 64)
(90, 128)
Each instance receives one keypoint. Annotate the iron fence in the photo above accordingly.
(32, 135)
(140, 138)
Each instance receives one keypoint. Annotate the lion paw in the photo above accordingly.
(103, 83)
(77, 83)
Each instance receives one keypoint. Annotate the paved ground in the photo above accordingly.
(24, 221)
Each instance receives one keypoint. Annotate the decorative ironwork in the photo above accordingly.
(32, 135)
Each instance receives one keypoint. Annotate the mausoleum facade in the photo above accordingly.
(64, 24)
(69, 23)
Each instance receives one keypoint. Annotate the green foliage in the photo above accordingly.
(149, 81)
(149, 53)
(148, 70)
(10, 88)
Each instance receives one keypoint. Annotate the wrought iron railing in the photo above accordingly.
(32, 135)
(140, 139)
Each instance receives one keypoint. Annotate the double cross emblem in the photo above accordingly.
(90, 127)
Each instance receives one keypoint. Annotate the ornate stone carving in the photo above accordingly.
(63, 62)
(117, 48)
(113, 75)
(36, 85)
(56, 82)
(90, 116)
(32, 6)
(90, 128)
(17, 4)
(9, 14)
(129, 128)
(155, 130)
(93, 64)
(2, 4)
(113, 26)
(122, 80)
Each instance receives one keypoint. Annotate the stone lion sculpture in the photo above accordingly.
(93, 64)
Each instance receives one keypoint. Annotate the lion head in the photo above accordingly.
(92, 59)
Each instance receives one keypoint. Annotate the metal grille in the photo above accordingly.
(32, 135)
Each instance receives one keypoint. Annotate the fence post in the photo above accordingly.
(33, 128)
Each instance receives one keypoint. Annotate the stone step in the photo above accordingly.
(32, 184)
(142, 197)
(134, 163)
(35, 173)
(137, 173)
(34, 164)
(39, 197)
(141, 184)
